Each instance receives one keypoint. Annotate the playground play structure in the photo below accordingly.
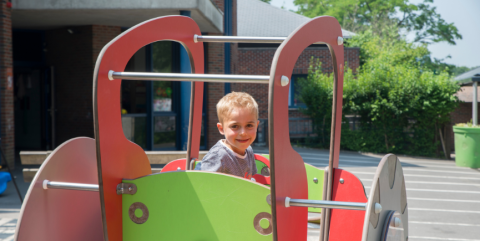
(103, 188)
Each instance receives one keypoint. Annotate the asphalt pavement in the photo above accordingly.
(443, 199)
(10, 205)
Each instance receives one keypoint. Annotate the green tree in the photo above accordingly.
(360, 15)
(438, 66)
(401, 104)
(266, 1)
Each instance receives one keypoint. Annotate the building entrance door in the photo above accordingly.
(31, 104)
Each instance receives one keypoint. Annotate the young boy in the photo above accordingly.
(238, 121)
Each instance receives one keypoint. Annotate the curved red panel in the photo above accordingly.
(117, 157)
(56, 214)
(262, 179)
(288, 171)
(262, 159)
(351, 190)
(174, 165)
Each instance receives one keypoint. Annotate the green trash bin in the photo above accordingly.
(467, 146)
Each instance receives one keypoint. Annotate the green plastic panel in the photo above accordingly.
(259, 165)
(195, 205)
(315, 189)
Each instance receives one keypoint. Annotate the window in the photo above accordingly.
(294, 92)
(149, 108)
(152, 110)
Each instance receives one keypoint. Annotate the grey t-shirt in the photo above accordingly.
(220, 158)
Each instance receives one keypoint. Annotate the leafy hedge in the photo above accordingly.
(401, 105)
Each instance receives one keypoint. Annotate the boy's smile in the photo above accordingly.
(239, 129)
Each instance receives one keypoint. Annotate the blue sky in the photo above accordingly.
(463, 13)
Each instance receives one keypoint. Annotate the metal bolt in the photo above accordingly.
(284, 81)
(396, 222)
(178, 168)
(269, 199)
(378, 208)
(126, 188)
(341, 180)
(315, 180)
(339, 40)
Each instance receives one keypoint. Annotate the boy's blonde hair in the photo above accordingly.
(235, 99)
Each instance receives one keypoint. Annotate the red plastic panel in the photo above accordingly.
(59, 215)
(262, 179)
(351, 190)
(174, 165)
(180, 163)
(288, 171)
(117, 157)
(262, 159)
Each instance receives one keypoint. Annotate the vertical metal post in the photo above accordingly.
(228, 32)
(149, 91)
(475, 103)
(52, 104)
(46, 99)
(185, 93)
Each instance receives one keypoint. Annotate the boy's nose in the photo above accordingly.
(242, 131)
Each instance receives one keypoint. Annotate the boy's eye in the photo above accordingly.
(234, 126)
(250, 125)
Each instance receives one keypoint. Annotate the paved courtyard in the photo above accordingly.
(10, 205)
(443, 200)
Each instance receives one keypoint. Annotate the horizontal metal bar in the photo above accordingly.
(70, 186)
(324, 204)
(240, 39)
(215, 78)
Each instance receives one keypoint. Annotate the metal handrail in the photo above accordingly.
(325, 204)
(70, 186)
(215, 78)
(244, 39)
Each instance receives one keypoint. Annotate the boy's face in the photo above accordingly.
(239, 129)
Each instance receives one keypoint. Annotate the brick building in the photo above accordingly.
(49, 49)
(255, 18)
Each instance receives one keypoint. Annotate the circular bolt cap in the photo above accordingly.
(339, 40)
(110, 75)
(284, 81)
(396, 222)
(341, 180)
(315, 180)
(378, 208)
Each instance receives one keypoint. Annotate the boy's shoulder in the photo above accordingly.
(218, 151)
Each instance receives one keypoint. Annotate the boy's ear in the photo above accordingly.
(220, 128)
